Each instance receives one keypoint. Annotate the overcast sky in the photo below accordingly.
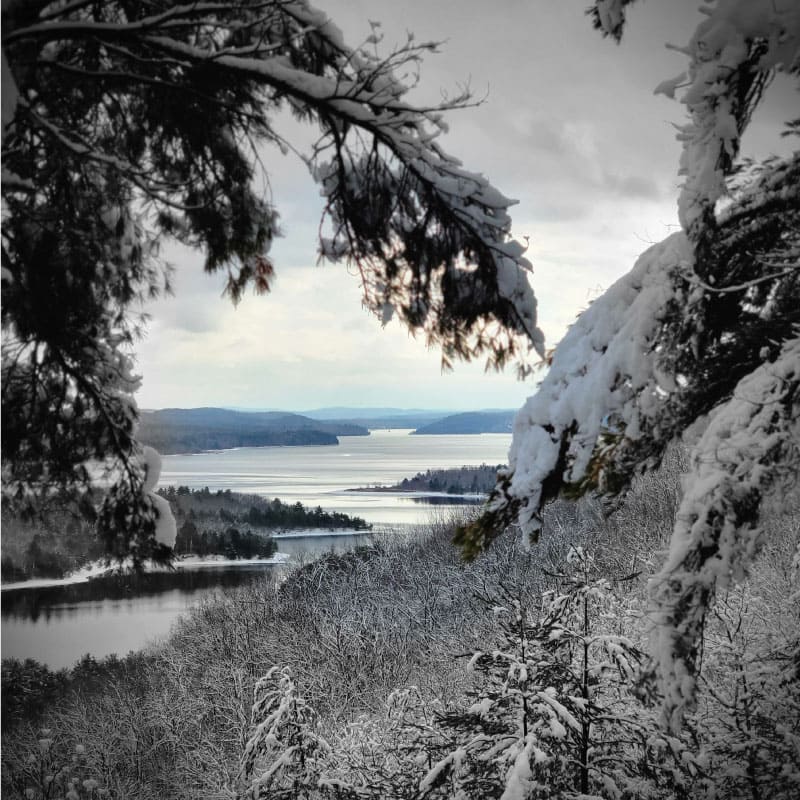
(570, 127)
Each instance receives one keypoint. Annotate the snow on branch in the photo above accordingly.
(731, 57)
(160, 112)
(430, 239)
(282, 754)
(704, 327)
(645, 365)
(744, 452)
(602, 383)
(608, 16)
(441, 256)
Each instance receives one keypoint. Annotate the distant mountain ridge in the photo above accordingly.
(376, 417)
(192, 430)
(389, 423)
(349, 412)
(471, 422)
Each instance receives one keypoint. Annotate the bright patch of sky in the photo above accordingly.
(570, 127)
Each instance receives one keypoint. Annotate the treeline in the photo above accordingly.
(455, 480)
(342, 681)
(30, 689)
(225, 507)
(458, 480)
(191, 430)
(209, 523)
(282, 515)
(50, 548)
(230, 542)
(168, 439)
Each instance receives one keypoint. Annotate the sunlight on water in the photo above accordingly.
(323, 475)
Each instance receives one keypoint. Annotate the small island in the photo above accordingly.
(223, 521)
(454, 481)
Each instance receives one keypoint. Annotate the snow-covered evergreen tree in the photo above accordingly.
(554, 714)
(700, 341)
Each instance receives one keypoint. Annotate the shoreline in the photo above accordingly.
(337, 443)
(102, 570)
(421, 493)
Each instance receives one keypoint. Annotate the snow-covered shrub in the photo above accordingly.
(748, 715)
(282, 756)
(56, 771)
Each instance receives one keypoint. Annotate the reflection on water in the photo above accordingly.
(57, 625)
(53, 603)
(447, 500)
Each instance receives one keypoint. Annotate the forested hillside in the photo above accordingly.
(209, 523)
(198, 508)
(46, 549)
(378, 417)
(399, 671)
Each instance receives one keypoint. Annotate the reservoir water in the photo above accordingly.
(57, 625)
(325, 475)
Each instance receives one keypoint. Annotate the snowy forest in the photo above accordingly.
(620, 620)
(400, 671)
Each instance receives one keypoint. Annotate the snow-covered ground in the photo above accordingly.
(99, 569)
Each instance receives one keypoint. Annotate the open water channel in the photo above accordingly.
(58, 624)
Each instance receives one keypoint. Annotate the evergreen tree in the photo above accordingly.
(748, 710)
(554, 713)
(187, 538)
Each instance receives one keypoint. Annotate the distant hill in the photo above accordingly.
(378, 417)
(346, 412)
(453, 481)
(390, 423)
(192, 430)
(471, 422)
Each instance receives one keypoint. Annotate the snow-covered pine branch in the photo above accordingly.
(751, 445)
(128, 123)
(275, 53)
(700, 335)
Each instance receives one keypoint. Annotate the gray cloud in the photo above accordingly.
(195, 320)
(570, 127)
(633, 186)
